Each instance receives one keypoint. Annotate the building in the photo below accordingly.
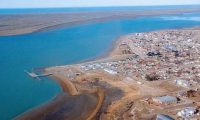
(169, 47)
(155, 53)
(163, 117)
(165, 99)
(125, 48)
(189, 93)
(183, 83)
(187, 112)
(110, 71)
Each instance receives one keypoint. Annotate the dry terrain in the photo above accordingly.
(14, 24)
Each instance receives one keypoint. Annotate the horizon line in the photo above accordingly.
(98, 6)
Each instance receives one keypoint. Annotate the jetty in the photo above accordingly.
(38, 76)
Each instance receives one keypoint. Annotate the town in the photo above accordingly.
(152, 75)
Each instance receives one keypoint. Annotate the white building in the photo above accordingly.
(165, 99)
(187, 112)
(183, 83)
(163, 117)
(110, 71)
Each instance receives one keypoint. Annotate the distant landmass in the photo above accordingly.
(14, 24)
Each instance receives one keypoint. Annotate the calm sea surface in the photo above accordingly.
(55, 10)
(19, 92)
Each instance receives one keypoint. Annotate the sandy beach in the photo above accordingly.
(28, 23)
(66, 105)
(63, 107)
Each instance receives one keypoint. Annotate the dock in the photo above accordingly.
(37, 76)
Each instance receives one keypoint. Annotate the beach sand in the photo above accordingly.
(64, 107)
(71, 104)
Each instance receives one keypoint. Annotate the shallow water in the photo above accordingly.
(64, 107)
(19, 92)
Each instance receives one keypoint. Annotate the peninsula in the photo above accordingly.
(146, 76)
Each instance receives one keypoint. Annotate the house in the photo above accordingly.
(169, 47)
(187, 112)
(110, 71)
(183, 83)
(156, 53)
(163, 117)
(125, 48)
(165, 99)
(188, 94)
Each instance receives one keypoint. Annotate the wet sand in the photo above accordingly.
(64, 107)
(68, 105)
(69, 87)
(29, 23)
(66, 85)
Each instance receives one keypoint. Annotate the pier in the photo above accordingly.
(37, 76)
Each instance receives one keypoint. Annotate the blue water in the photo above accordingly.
(78, 9)
(18, 92)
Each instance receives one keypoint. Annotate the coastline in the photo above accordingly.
(73, 89)
(117, 41)
(69, 92)
(70, 88)
(79, 44)
(30, 23)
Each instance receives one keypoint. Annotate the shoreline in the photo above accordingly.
(71, 89)
(115, 42)
(114, 53)
(45, 22)
(65, 84)
(75, 88)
